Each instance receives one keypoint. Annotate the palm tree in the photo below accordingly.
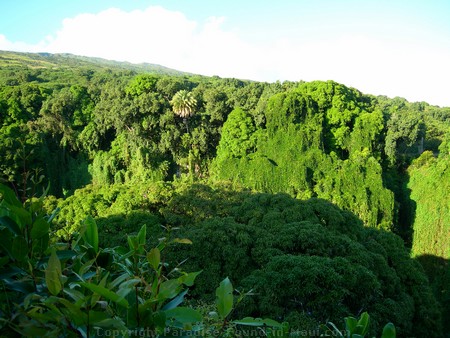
(183, 104)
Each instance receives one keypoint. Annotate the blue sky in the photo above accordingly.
(393, 48)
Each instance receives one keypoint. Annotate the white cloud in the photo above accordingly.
(375, 66)
(153, 35)
(157, 35)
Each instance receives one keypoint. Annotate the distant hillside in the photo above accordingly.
(47, 60)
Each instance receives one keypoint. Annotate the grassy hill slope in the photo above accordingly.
(47, 60)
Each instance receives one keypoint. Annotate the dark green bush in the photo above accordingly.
(308, 261)
(321, 261)
(112, 229)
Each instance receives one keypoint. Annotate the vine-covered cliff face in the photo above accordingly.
(321, 140)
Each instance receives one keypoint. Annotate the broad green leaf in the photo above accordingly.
(126, 287)
(126, 268)
(27, 301)
(154, 258)
(86, 267)
(159, 318)
(65, 254)
(23, 287)
(3, 261)
(32, 331)
(350, 324)
(147, 306)
(389, 331)
(115, 323)
(6, 240)
(96, 296)
(11, 225)
(97, 316)
(162, 244)
(363, 324)
(78, 316)
(142, 234)
(74, 294)
(176, 301)
(20, 215)
(250, 321)
(104, 279)
(40, 229)
(155, 287)
(19, 248)
(53, 274)
(189, 278)
(40, 245)
(90, 234)
(336, 331)
(82, 331)
(9, 196)
(169, 289)
(108, 294)
(51, 300)
(124, 292)
(224, 298)
(132, 242)
(118, 280)
(182, 241)
(184, 315)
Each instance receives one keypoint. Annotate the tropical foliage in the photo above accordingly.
(288, 179)
(81, 289)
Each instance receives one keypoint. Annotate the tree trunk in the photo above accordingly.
(186, 123)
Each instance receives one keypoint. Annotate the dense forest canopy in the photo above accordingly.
(129, 144)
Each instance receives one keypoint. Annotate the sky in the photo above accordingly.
(381, 47)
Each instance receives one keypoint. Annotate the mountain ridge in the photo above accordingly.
(36, 60)
(52, 60)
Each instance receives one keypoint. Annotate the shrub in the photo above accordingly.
(308, 261)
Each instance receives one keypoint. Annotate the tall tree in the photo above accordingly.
(183, 104)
